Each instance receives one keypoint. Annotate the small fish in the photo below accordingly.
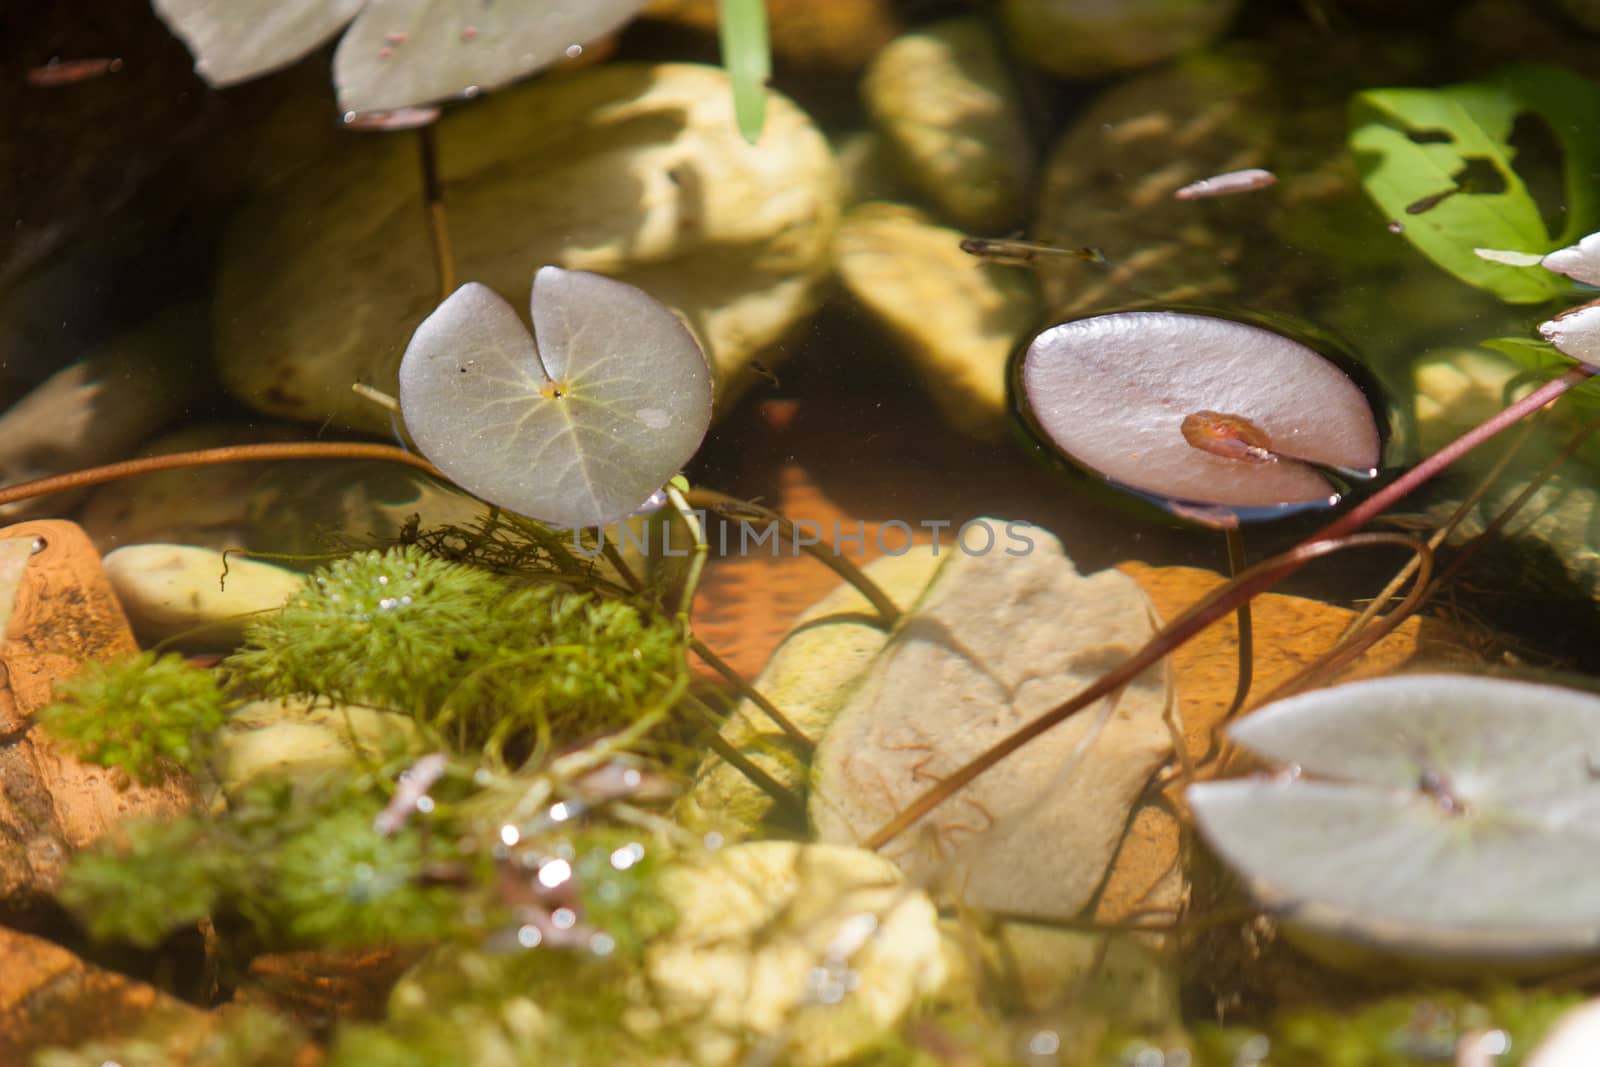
(765, 372)
(1433, 200)
(1025, 253)
(1229, 184)
(59, 72)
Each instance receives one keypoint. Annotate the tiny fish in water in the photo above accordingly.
(1235, 181)
(765, 372)
(59, 72)
(1025, 253)
(1433, 200)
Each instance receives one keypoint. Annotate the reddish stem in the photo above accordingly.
(1226, 599)
(206, 457)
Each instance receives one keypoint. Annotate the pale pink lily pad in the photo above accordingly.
(1112, 392)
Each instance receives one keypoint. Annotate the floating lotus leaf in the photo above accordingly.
(1120, 394)
(574, 426)
(1451, 817)
(397, 53)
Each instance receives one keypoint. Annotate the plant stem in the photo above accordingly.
(207, 457)
(438, 224)
(1333, 537)
(822, 551)
(1247, 651)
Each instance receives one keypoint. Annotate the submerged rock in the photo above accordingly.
(1092, 38)
(634, 171)
(195, 596)
(958, 317)
(54, 804)
(810, 677)
(994, 642)
(289, 739)
(205, 506)
(819, 950)
(98, 409)
(944, 99)
(313, 507)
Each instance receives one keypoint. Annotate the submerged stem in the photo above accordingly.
(1335, 536)
(1247, 653)
(208, 457)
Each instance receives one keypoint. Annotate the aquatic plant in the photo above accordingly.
(143, 714)
(299, 865)
(574, 426)
(403, 54)
(1445, 818)
(1442, 163)
(396, 53)
(1215, 419)
(469, 655)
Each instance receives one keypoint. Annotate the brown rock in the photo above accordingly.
(51, 997)
(52, 804)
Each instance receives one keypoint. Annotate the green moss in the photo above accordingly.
(468, 654)
(302, 865)
(141, 714)
(231, 1037)
(385, 628)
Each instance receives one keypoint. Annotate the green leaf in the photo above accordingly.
(1411, 145)
(746, 53)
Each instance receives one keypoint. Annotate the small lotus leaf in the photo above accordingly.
(1112, 392)
(573, 426)
(1462, 819)
(401, 53)
(236, 40)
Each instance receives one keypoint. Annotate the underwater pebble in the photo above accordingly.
(205, 506)
(822, 948)
(996, 641)
(810, 676)
(957, 317)
(633, 171)
(1090, 38)
(98, 409)
(944, 99)
(299, 740)
(1456, 389)
(179, 592)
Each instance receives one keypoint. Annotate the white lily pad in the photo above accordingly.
(397, 53)
(401, 53)
(234, 40)
(1454, 818)
(575, 425)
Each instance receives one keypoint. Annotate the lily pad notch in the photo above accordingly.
(575, 425)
